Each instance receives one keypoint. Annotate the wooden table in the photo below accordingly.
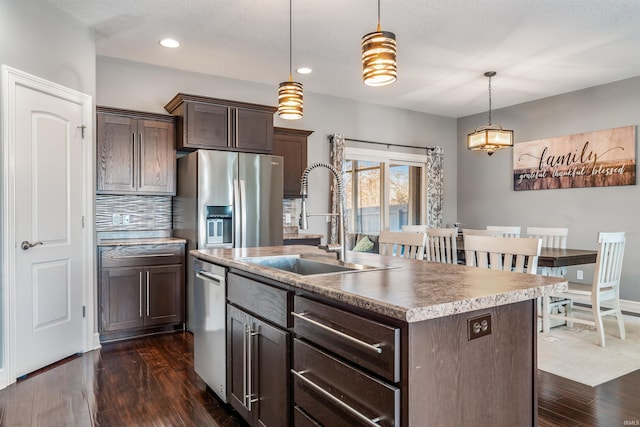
(554, 257)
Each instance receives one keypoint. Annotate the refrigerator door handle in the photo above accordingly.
(243, 212)
(237, 214)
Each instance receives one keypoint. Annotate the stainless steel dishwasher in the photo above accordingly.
(209, 337)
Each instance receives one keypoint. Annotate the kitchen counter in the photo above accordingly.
(301, 236)
(410, 290)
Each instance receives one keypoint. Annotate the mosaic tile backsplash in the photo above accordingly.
(144, 213)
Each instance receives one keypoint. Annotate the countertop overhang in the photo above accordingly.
(411, 291)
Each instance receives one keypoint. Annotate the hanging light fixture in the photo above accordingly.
(489, 138)
(379, 66)
(290, 92)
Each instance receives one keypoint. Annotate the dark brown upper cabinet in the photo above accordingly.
(219, 124)
(292, 145)
(135, 153)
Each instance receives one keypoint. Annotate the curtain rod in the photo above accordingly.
(385, 143)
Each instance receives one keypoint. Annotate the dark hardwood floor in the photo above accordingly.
(150, 382)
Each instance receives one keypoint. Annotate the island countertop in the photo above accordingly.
(409, 290)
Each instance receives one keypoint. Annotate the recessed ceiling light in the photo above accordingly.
(171, 43)
(304, 70)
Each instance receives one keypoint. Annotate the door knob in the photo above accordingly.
(25, 245)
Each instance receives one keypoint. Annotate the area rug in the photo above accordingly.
(574, 352)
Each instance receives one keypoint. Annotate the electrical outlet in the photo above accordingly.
(478, 326)
(116, 219)
(125, 219)
(579, 274)
(287, 218)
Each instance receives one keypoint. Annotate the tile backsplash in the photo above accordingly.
(141, 213)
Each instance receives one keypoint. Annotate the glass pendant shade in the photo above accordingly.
(290, 100)
(379, 66)
(490, 139)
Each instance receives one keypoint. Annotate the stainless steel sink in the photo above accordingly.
(305, 266)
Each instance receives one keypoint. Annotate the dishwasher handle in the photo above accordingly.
(210, 277)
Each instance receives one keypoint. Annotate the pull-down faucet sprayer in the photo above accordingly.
(341, 247)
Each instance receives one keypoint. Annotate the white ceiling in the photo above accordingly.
(538, 47)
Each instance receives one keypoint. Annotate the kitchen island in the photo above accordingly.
(404, 342)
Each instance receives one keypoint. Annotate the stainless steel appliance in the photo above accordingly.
(223, 200)
(209, 321)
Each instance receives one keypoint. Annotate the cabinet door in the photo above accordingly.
(207, 126)
(254, 131)
(292, 145)
(271, 375)
(238, 372)
(157, 157)
(164, 295)
(258, 369)
(116, 153)
(121, 298)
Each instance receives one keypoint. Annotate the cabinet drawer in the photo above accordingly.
(141, 255)
(370, 344)
(334, 393)
(263, 300)
(301, 419)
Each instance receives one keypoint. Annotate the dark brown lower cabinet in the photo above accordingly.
(137, 292)
(258, 365)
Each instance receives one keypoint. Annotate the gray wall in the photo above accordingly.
(485, 185)
(145, 87)
(40, 40)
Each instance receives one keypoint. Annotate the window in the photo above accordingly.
(383, 194)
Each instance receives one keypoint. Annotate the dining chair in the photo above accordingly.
(442, 245)
(415, 228)
(402, 244)
(502, 253)
(474, 232)
(551, 238)
(605, 287)
(507, 231)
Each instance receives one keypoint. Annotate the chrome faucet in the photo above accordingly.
(341, 247)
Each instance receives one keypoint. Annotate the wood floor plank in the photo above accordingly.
(151, 382)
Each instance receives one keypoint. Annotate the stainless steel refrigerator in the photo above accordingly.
(223, 200)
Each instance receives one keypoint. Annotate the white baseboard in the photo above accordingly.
(96, 342)
(3, 379)
(630, 306)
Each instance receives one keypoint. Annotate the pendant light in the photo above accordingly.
(290, 92)
(489, 138)
(379, 66)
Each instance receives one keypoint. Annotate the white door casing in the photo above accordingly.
(48, 198)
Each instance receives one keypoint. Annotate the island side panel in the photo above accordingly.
(487, 381)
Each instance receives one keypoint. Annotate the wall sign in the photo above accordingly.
(592, 159)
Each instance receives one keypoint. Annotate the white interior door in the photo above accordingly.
(49, 211)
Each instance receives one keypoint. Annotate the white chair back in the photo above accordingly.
(442, 245)
(507, 231)
(473, 232)
(551, 237)
(415, 228)
(502, 253)
(401, 244)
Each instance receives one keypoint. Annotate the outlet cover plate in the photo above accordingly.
(478, 326)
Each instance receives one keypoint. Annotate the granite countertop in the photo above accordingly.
(131, 241)
(410, 290)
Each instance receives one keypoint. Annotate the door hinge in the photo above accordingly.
(82, 221)
(82, 128)
(84, 311)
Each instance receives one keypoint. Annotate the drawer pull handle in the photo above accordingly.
(140, 256)
(203, 275)
(373, 347)
(335, 400)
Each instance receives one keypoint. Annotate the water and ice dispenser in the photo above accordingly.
(219, 225)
